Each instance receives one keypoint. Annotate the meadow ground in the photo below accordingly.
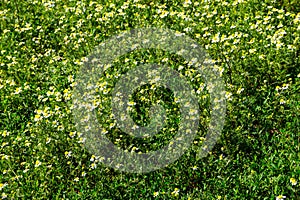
(254, 46)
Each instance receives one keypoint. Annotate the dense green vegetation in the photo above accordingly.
(254, 45)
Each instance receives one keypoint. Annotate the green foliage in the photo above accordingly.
(254, 45)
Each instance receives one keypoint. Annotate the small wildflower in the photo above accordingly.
(280, 197)
(131, 103)
(134, 127)
(262, 57)
(48, 140)
(37, 118)
(282, 101)
(93, 166)
(252, 50)
(293, 181)
(240, 90)
(277, 88)
(76, 179)
(134, 149)
(2, 185)
(3, 196)
(68, 154)
(194, 167)
(81, 140)
(216, 38)
(285, 86)
(93, 158)
(72, 134)
(221, 157)
(37, 163)
(18, 90)
(155, 194)
(175, 192)
(5, 133)
(71, 78)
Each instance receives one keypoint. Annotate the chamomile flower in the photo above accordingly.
(155, 194)
(48, 140)
(3, 196)
(293, 181)
(68, 154)
(2, 185)
(216, 38)
(282, 101)
(131, 103)
(93, 166)
(37, 163)
(72, 134)
(280, 197)
(18, 90)
(175, 192)
(83, 174)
